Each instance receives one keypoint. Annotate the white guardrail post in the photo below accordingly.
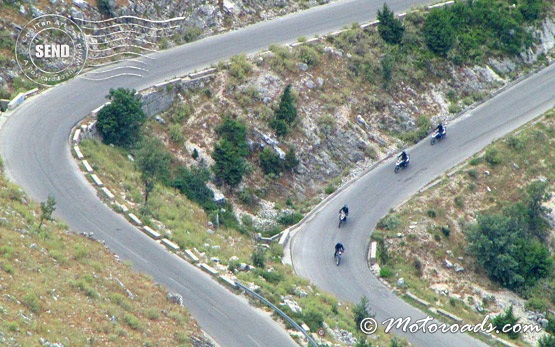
(278, 311)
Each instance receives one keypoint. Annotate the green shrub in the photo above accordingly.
(152, 314)
(180, 113)
(385, 272)
(4, 94)
(239, 67)
(282, 60)
(387, 63)
(280, 127)
(314, 319)
(192, 183)
(514, 143)
(506, 319)
(291, 161)
(431, 213)
(8, 268)
(258, 258)
(391, 29)
(361, 310)
(176, 135)
(233, 265)
(537, 304)
(13, 327)
(438, 31)
(390, 222)
(445, 230)
(308, 55)
(546, 341)
(247, 196)
(32, 302)
(270, 163)
(454, 108)
(492, 156)
(476, 161)
(330, 188)
(132, 321)
(273, 277)
(191, 34)
(290, 218)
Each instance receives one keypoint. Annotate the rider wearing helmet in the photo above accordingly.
(345, 209)
(339, 248)
(440, 129)
(403, 156)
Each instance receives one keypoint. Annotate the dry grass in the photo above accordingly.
(62, 287)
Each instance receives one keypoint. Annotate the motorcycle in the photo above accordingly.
(338, 257)
(342, 218)
(437, 136)
(400, 163)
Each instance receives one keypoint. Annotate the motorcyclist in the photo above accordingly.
(403, 157)
(440, 129)
(345, 209)
(339, 248)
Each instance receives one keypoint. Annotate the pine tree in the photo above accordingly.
(390, 29)
(286, 113)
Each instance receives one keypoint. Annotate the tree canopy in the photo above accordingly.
(509, 246)
(153, 161)
(230, 152)
(285, 114)
(120, 122)
(390, 28)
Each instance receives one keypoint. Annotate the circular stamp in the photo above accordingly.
(51, 49)
(368, 326)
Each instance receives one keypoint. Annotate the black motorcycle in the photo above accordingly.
(437, 136)
(342, 218)
(401, 163)
(338, 257)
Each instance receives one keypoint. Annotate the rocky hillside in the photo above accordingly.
(350, 114)
(198, 18)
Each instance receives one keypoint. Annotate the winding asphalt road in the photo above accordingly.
(371, 197)
(35, 147)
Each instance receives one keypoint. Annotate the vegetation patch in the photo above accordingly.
(496, 251)
(53, 289)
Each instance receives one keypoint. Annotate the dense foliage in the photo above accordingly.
(154, 162)
(546, 341)
(286, 113)
(391, 29)
(505, 321)
(468, 31)
(230, 152)
(121, 121)
(508, 244)
(192, 183)
(270, 162)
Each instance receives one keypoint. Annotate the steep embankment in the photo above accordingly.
(69, 290)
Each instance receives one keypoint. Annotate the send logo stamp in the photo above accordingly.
(51, 49)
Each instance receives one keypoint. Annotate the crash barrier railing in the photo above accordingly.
(278, 311)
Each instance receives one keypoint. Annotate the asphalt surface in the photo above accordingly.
(34, 144)
(380, 189)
